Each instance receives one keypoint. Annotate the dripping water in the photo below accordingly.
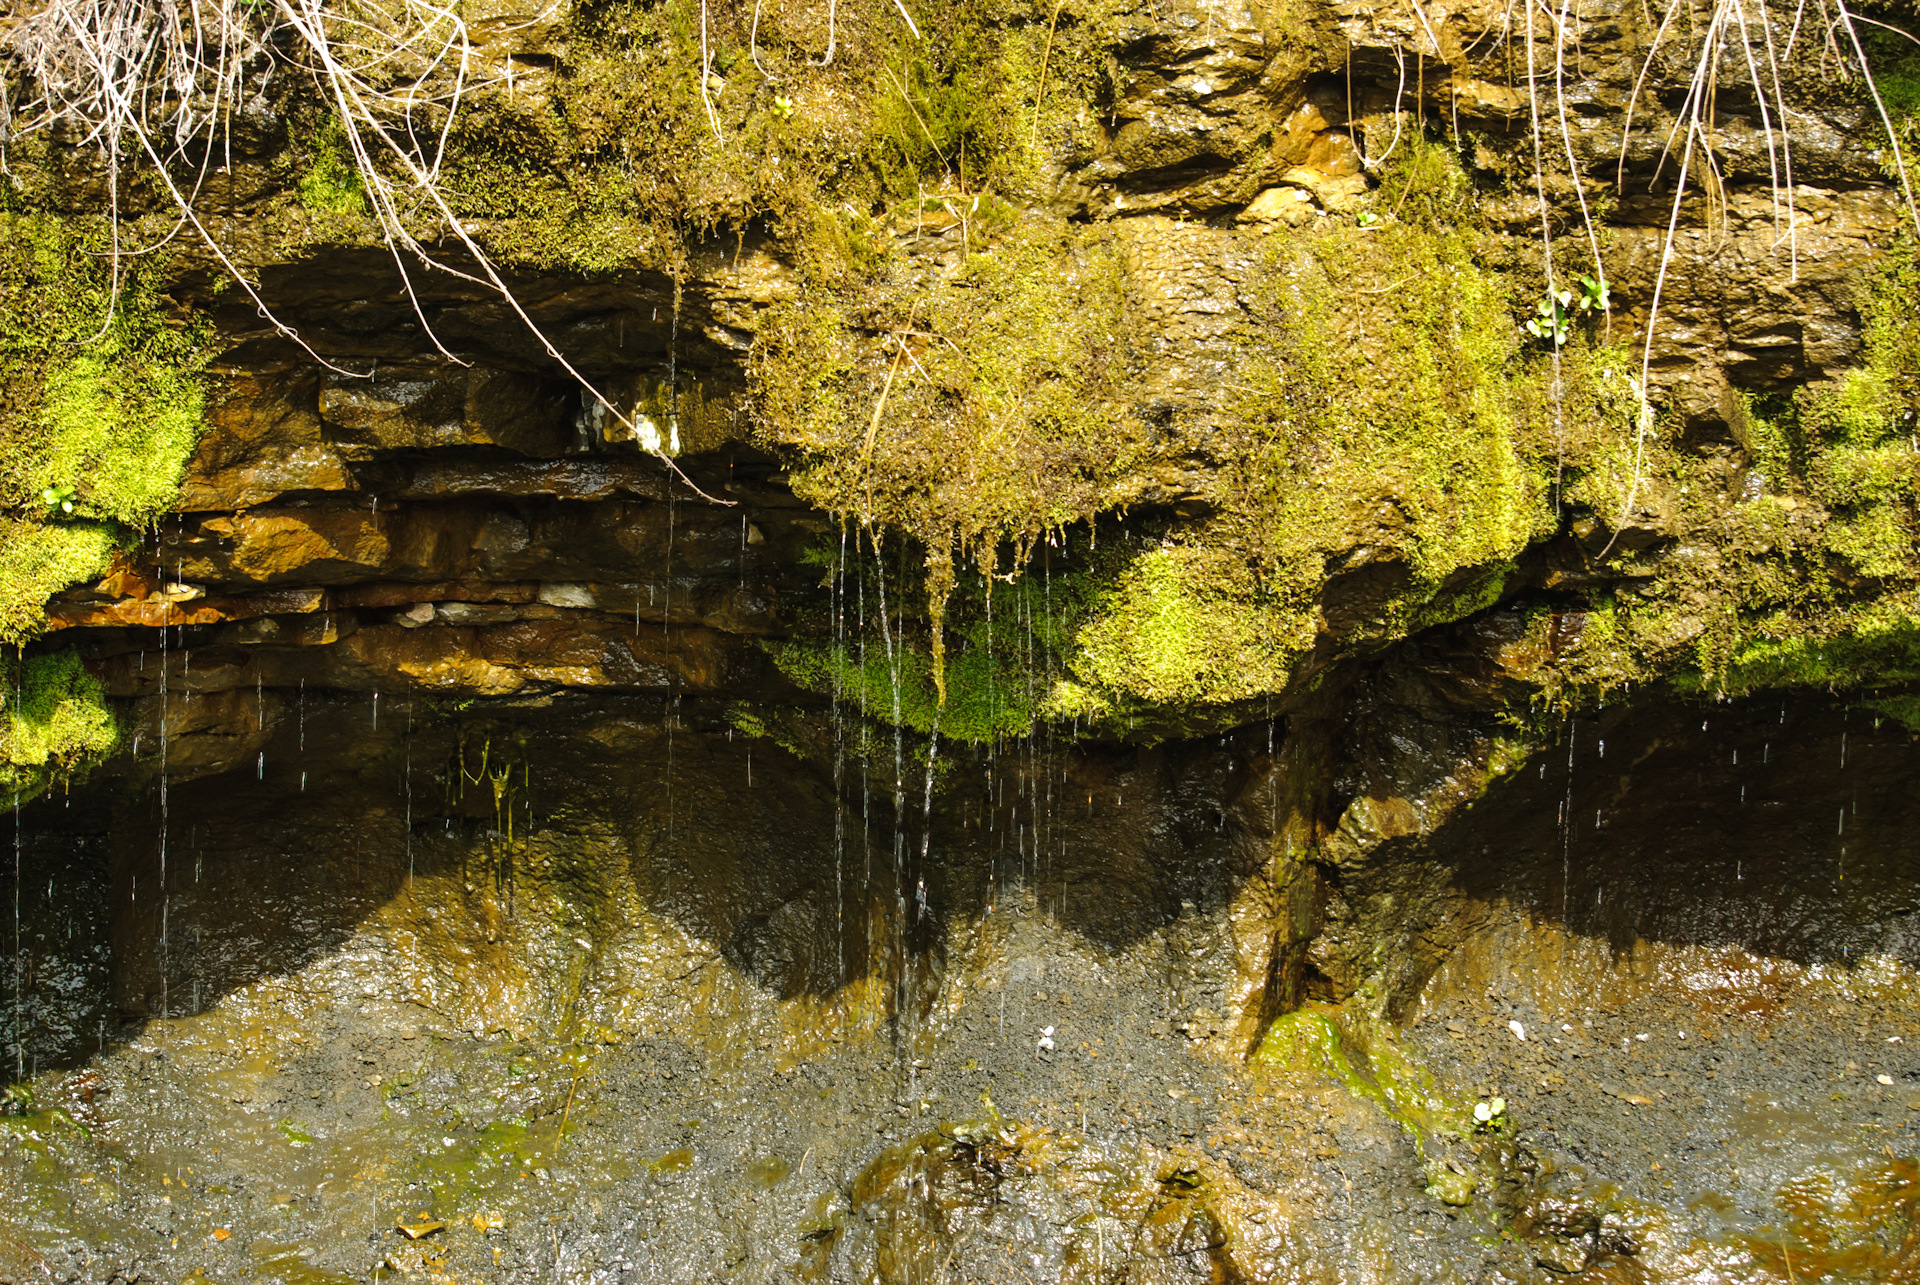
(839, 776)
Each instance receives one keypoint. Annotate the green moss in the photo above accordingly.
(1187, 623)
(995, 406)
(1903, 709)
(38, 560)
(1373, 1067)
(330, 183)
(616, 158)
(57, 723)
(100, 404)
(100, 407)
(1010, 425)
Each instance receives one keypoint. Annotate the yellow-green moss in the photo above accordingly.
(996, 404)
(1373, 1067)
(330, 183)
(39, 559)
(100, 406)
(1426, 451)
(1187, 623)
(1808, 573)
(616, 157)
(57, 723)
(989, 405)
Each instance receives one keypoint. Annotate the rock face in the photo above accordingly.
(1103, 727)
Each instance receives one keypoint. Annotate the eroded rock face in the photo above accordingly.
(471, 860)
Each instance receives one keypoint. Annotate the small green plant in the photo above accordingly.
(59, 502)
(1595, 295)
(783, 107)
(1551, 321)
(1366, 219)
(1553, 317)
(1489, 1113)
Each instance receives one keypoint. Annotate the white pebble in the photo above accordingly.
(1519, 1031)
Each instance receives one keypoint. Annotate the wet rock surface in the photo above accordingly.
(476, 898)
(556, 976)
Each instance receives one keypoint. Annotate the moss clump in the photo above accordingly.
(331, 184)
(1800, 570)
(100, 406)
(1364, 1056)
(988, 406)
(57, 723)
(982, 406)
(676, 118)
(1185, 621)
(997, 402)
(1003, 668)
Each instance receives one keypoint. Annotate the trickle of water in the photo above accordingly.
(19, 954)
(407, 778)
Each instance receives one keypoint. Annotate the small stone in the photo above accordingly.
(1885, 1079)
(1564, 1256)
(1289, 205)
(1452, 1188)
(1519, 1031)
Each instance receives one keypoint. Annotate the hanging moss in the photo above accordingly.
(1807, 574)
(57, 723)
(996, 403)
(646, 131)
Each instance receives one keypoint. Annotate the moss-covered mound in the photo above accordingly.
(100, 406)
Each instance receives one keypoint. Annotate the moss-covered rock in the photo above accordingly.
(57, 723)
(100, 405)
